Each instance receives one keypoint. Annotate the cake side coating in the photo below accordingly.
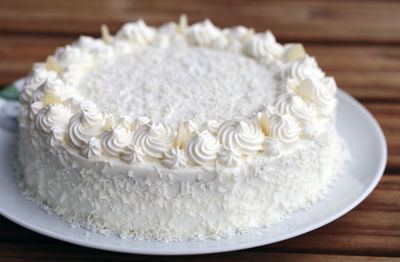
(190, 175)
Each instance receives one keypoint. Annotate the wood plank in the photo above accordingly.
(372, 228)
(388, 116)
(35, 252)
(366, 72)
(309, 20)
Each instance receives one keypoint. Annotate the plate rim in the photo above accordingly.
(219, 249)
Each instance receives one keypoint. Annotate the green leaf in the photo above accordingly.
(9, 92)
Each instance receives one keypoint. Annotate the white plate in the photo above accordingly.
(360, 130)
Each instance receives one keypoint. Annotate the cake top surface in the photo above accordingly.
(179, 95)
(180, 83)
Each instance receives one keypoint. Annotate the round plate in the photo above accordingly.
(354, 123)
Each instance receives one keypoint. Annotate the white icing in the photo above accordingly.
(237, 33)
(229, 156)
(211, 126)
(155, 138)
(202, 148)
(272, 146)
(302, 69)
(295, 106)
(263, 45)
(203, 34)
(36, 78)
(161, 76)
(309, 130)
(175, 158)
(285, 128)
(244, 135)
(95, 47)
(321, 92)
(133, 154)
(92, 148)
(71, 55)
(56, 135)
(115, 140)
(52, 116)
(84, 125)
(34, 109)
(137, 32)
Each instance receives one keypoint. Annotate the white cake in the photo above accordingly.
(179, 132)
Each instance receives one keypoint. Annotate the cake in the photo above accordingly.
(178, 132)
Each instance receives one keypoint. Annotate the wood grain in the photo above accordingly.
(327, 21)
(34, 252)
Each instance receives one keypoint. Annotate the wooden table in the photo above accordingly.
(356, 42)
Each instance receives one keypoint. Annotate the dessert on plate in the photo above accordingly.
(178, 132)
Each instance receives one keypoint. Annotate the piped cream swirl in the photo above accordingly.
(51, 116)
(229, 156)
(303, 68)
(73, 55)
(285, 128)
(115, 140)
(56, 135)
(203, 34)
(244, 135)
(85, 124)
(155, 138)
(137, 32)
(272, 146)
(175, 158)
(36, 78)
(133, 154)
(320, 92)
(263, 45)
(92, 148)
(295, 106)
(202, 148)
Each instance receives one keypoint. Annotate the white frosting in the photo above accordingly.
(181, 132)
(229, 156)
(203, 34)
(154, 138)
(34, 109)
(211, 126)
(92, 148)
(175, 158)
(133, 154)
(285, 128)
(71, 55)
(263, 45)
(84, 125)
(161, 76)
(272, 146)
(95, 47)
(202, 148)
(56, 135)
(52, 116)
(245, 135)
(115, 140)
(321, 93)
(36, 78)
(137, 32)
(302, 69)
(295, 106)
